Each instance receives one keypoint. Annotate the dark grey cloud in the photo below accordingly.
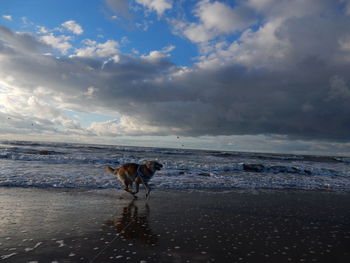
(11, 42)
(239, 102)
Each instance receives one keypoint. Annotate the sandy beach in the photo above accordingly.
(62, 225)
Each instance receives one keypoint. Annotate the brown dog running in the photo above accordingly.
(140, 174)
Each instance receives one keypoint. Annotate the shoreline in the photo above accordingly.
(118, 187)
(227, 225)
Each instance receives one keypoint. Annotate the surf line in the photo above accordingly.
(110, 243)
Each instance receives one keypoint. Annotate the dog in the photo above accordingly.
(140, 174)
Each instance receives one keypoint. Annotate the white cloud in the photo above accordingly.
(98, 50)
(259, 49)
(156, 55)
(34, 107)
(73, 27)
(198, 33)
(58, 42)
(7, 17)
(39, 115)
(127, 125)
(295, 32)
(215, 19)
(222, 18)
(159, 6)
(43, 30)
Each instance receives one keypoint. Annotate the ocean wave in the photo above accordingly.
(261, 168)
(8, 153)
(56, 158)
(283, 157)
(258, 168)
(95, 177)
(65, 165)
(263, 156)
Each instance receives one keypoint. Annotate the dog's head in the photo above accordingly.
(153, 165)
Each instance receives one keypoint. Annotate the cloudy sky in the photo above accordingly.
(245, 75)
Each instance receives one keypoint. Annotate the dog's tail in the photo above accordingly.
(110, 169)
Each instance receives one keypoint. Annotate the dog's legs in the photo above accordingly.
(137, 188)
(129, 191)
(148, 189)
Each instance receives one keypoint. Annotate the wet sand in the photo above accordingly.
(51, 225)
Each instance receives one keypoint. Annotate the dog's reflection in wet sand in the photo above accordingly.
(133, 224)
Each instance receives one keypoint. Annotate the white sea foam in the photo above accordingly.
(32, 248)
(7, 256)
(61, 243)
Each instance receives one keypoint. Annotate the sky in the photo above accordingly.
(240, 75)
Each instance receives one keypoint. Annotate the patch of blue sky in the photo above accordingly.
(98, 25)
(39, 11)
(87, 118)
(156, 38)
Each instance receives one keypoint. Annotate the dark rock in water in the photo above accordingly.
(254, 167)
(284, 169)
(181, 173)
(308, 172)
(44, 152)
(204, 174)
(223, 155)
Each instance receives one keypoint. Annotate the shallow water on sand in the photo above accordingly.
(174, 226)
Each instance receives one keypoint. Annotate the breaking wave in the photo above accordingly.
(64, 165)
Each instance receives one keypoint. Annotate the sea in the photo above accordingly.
(82, 166)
